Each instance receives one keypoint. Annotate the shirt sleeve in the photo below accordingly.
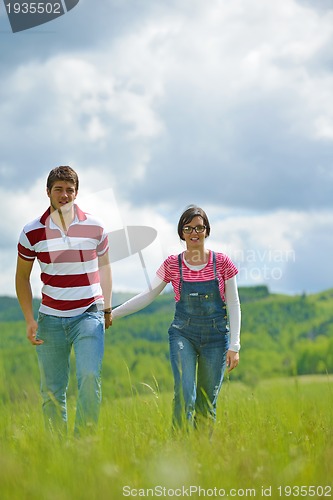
(230, 270)
(164, 271)
(232, 301)
(103, 245)
(24, 248)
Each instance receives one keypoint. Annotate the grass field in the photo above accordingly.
(271, 440)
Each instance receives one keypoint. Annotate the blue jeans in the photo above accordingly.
(86, 334)
(198, 349)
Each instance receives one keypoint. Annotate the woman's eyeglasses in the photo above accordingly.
(198, 229)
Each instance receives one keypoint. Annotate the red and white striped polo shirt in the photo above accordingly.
(225, 269)
(68, 262)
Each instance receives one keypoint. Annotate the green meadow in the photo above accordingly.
(274, 431)
(273, 438)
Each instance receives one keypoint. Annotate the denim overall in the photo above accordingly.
(199, 341)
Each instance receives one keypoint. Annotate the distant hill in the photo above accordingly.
(281, 335)
(10, 309)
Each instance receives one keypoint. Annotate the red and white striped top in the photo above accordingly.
(225, 269)
(68, 262)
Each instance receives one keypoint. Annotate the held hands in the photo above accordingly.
(107, 318)
(232, 360)
(31, 333)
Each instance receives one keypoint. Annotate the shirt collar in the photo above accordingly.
(80, 216)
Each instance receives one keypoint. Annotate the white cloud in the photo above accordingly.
(280, 248)
(75, 100)
(226, 102)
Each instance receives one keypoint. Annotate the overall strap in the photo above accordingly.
(180, 271)
(214, 264)
(180, 266)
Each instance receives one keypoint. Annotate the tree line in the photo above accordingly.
(281, 336)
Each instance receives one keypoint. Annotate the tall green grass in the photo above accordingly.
(277, 434)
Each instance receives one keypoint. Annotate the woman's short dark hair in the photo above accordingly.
(189, 214)
(62, 173)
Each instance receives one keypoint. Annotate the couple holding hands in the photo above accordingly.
(71, 247)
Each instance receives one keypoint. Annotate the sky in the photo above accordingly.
(161, 104)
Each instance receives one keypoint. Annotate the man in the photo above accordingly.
(72, 250)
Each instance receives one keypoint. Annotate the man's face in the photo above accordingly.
(62, 195)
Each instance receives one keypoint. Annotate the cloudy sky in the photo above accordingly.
(162, 103)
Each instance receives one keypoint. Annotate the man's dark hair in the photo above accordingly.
(62, 173)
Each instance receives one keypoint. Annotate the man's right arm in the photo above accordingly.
(24, 296)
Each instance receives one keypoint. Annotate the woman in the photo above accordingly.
(201, 347)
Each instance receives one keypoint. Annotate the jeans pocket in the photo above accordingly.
(40, 321)
(178, 324)
(98, 315)
(221, 326)
(40, 317)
